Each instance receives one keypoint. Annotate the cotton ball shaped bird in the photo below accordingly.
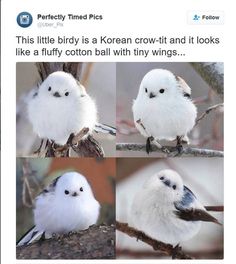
(61, 107)
(65, 206)
(163, 109)
(166, 210)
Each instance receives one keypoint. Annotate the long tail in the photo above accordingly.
(106, 129)
(32, 235)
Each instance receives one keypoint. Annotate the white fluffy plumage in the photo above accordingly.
(163, 106)
(154, 208)
(60, 107)
(66, 205)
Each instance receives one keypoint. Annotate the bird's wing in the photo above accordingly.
(194, 214)
(50, 188)
(187, 201)
(184, 87)
(189, 209)
(32, 235)
(106, 129)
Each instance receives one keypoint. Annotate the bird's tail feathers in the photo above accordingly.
(106, 129)
(32, 235)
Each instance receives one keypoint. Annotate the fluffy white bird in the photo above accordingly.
(163, 108)
(166, 210)
(60, 107)
(66, 205)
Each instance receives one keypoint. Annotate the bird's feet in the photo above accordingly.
(165, 150)
(175, 251)
(179, 146)
(148, 144)
(156, 143)
(140, 236)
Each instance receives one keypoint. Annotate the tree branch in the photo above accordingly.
(212, 73)
(210, 109)
(219, 208)
(188, 151)
(168, 249)
(97, 242)
(46, 68)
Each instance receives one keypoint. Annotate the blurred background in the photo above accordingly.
(204, 176)
(209, 132)
(99, 80)
(33, 174)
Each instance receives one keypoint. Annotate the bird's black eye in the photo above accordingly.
(161, 90)
(49, 88)
(81, 189)
(67, 192)
(162, 178)
(146, 90)
(67, 93)
(174, 186)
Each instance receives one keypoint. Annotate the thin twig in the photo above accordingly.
(168, 249)
(219, 208)
(210, 109)
(188, 151)
(80, 135)
(26, 189)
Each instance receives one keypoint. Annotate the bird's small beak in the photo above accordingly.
(152, 95)
(167, 183)
(75, 194)
(56, 94)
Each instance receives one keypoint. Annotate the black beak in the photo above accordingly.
(152, 95)
(74, 194)
(167, 183)
(56, 94)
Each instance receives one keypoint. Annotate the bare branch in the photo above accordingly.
(210, 109)
(219, 208)
(46, 68)
(188, 151)
(168, 249)
(212, 73)
(28, 179)
(80, 135)
(97, 242)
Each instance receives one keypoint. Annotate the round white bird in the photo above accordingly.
(164, 209)
(163, 108)
(66, 205)
(61, 107)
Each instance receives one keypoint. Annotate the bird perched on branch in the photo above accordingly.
(163, 109)
(66, 205)
(61, 107)
(166, 210)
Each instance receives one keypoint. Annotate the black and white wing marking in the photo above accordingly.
(51, 187)
(32, 235)
(186, 210)
(187, 200)
(183, 86)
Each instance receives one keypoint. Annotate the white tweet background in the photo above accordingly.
(121, 18)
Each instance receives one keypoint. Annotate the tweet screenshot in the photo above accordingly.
(113, 132)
